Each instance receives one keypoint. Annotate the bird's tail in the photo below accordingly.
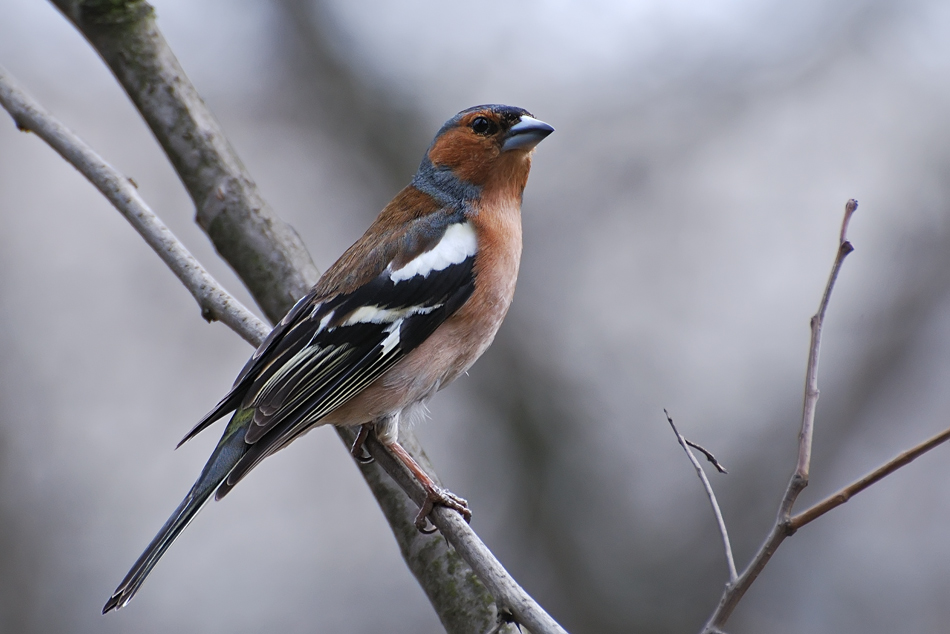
(225, 456)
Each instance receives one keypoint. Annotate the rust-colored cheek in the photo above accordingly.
(470, 157)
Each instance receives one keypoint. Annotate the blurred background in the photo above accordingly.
(679, 228)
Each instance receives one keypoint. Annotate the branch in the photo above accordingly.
(782, 528)
(686, 445)
(216, 304)
(709, 456)
(272, 261)
(800, 478)
(856, 487)
(457, 532)
(266, 252)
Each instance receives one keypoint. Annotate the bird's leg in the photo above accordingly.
(359, 452)
(434, 493)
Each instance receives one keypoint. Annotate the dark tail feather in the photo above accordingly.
(227, 405)
(225, 456)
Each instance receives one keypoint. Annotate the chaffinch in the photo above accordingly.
(403, 312)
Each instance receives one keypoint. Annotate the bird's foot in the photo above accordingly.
(358, 450)
(436, 495)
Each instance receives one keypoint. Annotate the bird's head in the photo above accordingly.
(487, 145)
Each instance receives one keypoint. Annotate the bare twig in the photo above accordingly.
(782, 528)
(800, 477)
(709, 455)
(216, 304)
(856, 487)
(685, 444)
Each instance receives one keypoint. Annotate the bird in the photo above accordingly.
(402, 313)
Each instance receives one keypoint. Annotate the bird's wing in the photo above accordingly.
(340, 348)
(329, 348)
(345, 343)
(233, 398)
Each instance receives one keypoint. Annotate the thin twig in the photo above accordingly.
(440, 566)
(782, 528)
(709, 455)
(856, 487)
(216, 304)
(800, 478)
(685, 444)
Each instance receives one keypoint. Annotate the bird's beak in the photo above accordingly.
(526, 134)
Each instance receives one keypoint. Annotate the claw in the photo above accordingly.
(442, 497)
(358, 451)
(426, 527)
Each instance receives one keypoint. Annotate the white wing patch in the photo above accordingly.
(392, 340)
(457, 244)
(377, 315)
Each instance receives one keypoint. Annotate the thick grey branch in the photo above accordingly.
(264, 251)
(483, 562)
(214, 301)
(273, 263)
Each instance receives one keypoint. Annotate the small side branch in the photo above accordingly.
(709, 456)
(782, 527)
(686, 445)
(216, 304)
(856, 487)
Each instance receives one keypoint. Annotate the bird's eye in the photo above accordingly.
(481, 125)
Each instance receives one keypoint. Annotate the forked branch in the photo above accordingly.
(848, 492)
(782, 527)
(688, 448)
(216, 303)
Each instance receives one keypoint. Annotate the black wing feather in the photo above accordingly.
(233, 398)
(317, 384)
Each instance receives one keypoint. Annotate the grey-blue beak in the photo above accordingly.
(526, 134)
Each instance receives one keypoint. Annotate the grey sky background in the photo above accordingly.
(679, 227)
